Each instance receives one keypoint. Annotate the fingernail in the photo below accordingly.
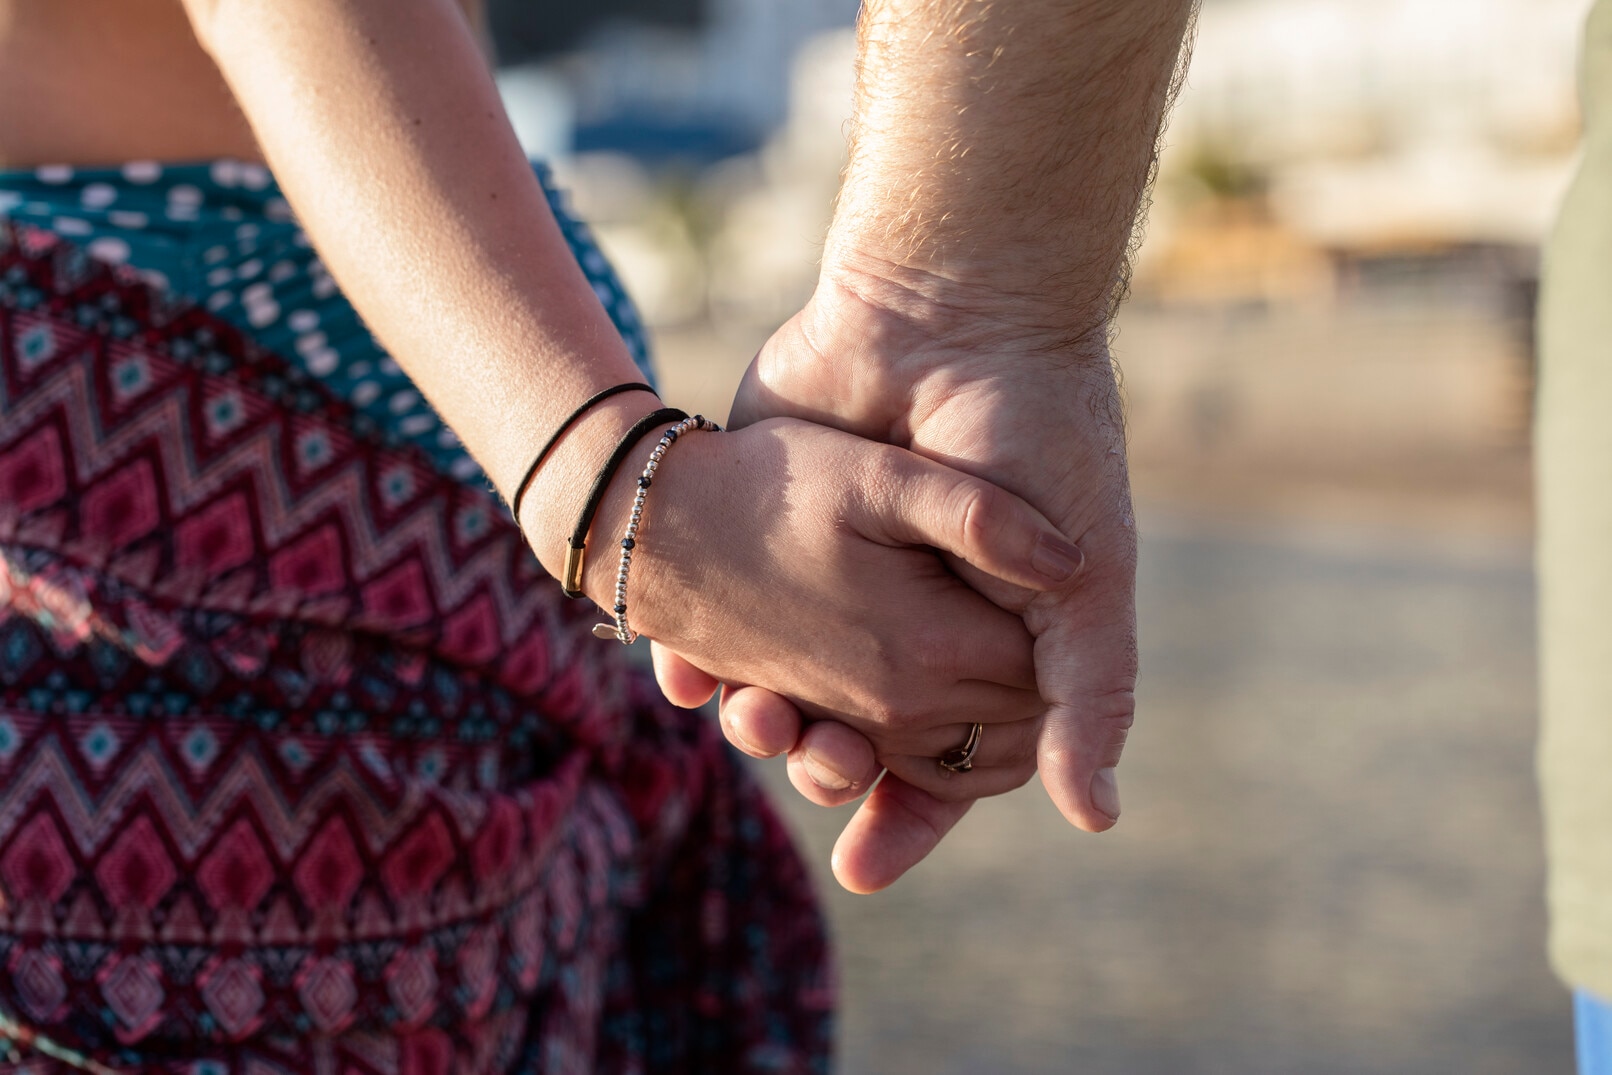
(737, 738)
(823, 776)
(1056, 558)
(1105, 793)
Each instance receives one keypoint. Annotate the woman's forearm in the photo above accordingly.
(383, 126)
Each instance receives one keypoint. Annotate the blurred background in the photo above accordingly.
(1330, 856)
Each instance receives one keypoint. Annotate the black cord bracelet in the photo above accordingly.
(576, 547)
(587, 405)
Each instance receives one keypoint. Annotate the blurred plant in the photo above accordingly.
(1221, 174)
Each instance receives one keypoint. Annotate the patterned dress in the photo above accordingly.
(305, 765)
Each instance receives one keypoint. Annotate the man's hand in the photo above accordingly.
(999, 154)
(1036, 415)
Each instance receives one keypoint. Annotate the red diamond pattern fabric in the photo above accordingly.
(237, 872)
(132, 988)
(136, 871)
(36, 867)
(306, 766)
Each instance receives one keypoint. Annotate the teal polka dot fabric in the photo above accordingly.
(220, 234)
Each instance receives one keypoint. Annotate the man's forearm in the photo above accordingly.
(1000, 150)
(999, 153)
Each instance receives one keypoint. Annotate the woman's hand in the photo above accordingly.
(795, 558)
(1040, 416)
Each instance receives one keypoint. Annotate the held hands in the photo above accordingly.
(796, 558)
(983, 389)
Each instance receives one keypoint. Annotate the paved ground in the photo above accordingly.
(1329, 860)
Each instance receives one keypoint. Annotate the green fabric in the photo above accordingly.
(1574, 461)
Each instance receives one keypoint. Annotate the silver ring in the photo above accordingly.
(961, 760)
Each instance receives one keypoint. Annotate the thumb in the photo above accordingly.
(1086, 664)
(910, 500)
(754, 402)
(1077, 755)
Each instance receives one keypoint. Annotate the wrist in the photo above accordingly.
(878, 347)
(910, 305)
(638, 617)
(559, 491)
(691, 491)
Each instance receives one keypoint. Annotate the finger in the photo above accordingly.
(909, 500)
(1001, 743)
(1004, 761)
(833, 764)
(1077, 755)
(754, 401)
(896, 826)
(682, 683)
(984, 655)
(1088, 676)
(982, 782)
(1003, 595)
(812, 395)
(959, 704)
(758, 722)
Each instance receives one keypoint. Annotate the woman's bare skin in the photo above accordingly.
(348, 94)
(107, 81)
(386, 135)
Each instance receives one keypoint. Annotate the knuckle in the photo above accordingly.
(1115, 713)
(899, 714)
(881, 670)
(1115, 710)
(1095, 729)
(873, 475)
(901, 674)
(880, 464)
(978, 509)
(879, 700)
(892, 709)
(933, 649)
(1115, 746)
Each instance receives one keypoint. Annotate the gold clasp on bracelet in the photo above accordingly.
(571, 576)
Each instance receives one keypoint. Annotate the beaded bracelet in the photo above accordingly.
(576, 547)
(619, 630)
